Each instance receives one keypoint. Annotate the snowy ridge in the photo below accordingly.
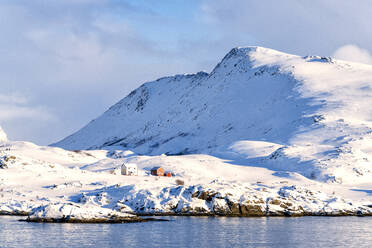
(315, 111)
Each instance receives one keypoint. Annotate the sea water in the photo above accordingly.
(193, 232)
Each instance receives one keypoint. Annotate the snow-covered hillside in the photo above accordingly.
(260, 107)
(52, 184)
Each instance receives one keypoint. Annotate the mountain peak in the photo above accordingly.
(248, 50)
(251, 56)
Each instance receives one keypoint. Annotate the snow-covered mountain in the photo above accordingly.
(3, 136)
(259, 107)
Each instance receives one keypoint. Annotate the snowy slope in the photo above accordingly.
(52, 184)
(258, 107)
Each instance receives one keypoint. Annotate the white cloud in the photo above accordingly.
(353, 53)
(21, 117)
(15, 106)
(297, 26)
(15, 112)
(72, 59)
(13, 98)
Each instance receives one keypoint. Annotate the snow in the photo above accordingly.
(265, 133)
(70, 212)
(253, 149)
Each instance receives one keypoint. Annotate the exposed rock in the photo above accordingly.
(252, 209)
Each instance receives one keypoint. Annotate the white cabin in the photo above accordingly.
(129, 169)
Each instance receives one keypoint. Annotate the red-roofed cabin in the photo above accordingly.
(157, 171)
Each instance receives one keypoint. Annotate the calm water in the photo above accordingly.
(194, 232)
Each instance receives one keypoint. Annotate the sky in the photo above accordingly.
(64, 62)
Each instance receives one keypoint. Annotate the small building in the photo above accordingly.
(129, 169)
(157, 171)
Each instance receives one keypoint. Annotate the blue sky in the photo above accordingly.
(64, 62)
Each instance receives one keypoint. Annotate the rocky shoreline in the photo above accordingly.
(5, 213)
(117, 204)
(284, 214)
(237, 211)
(288, 201)
(93, 221)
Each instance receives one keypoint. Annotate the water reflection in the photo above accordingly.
(194, 232)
